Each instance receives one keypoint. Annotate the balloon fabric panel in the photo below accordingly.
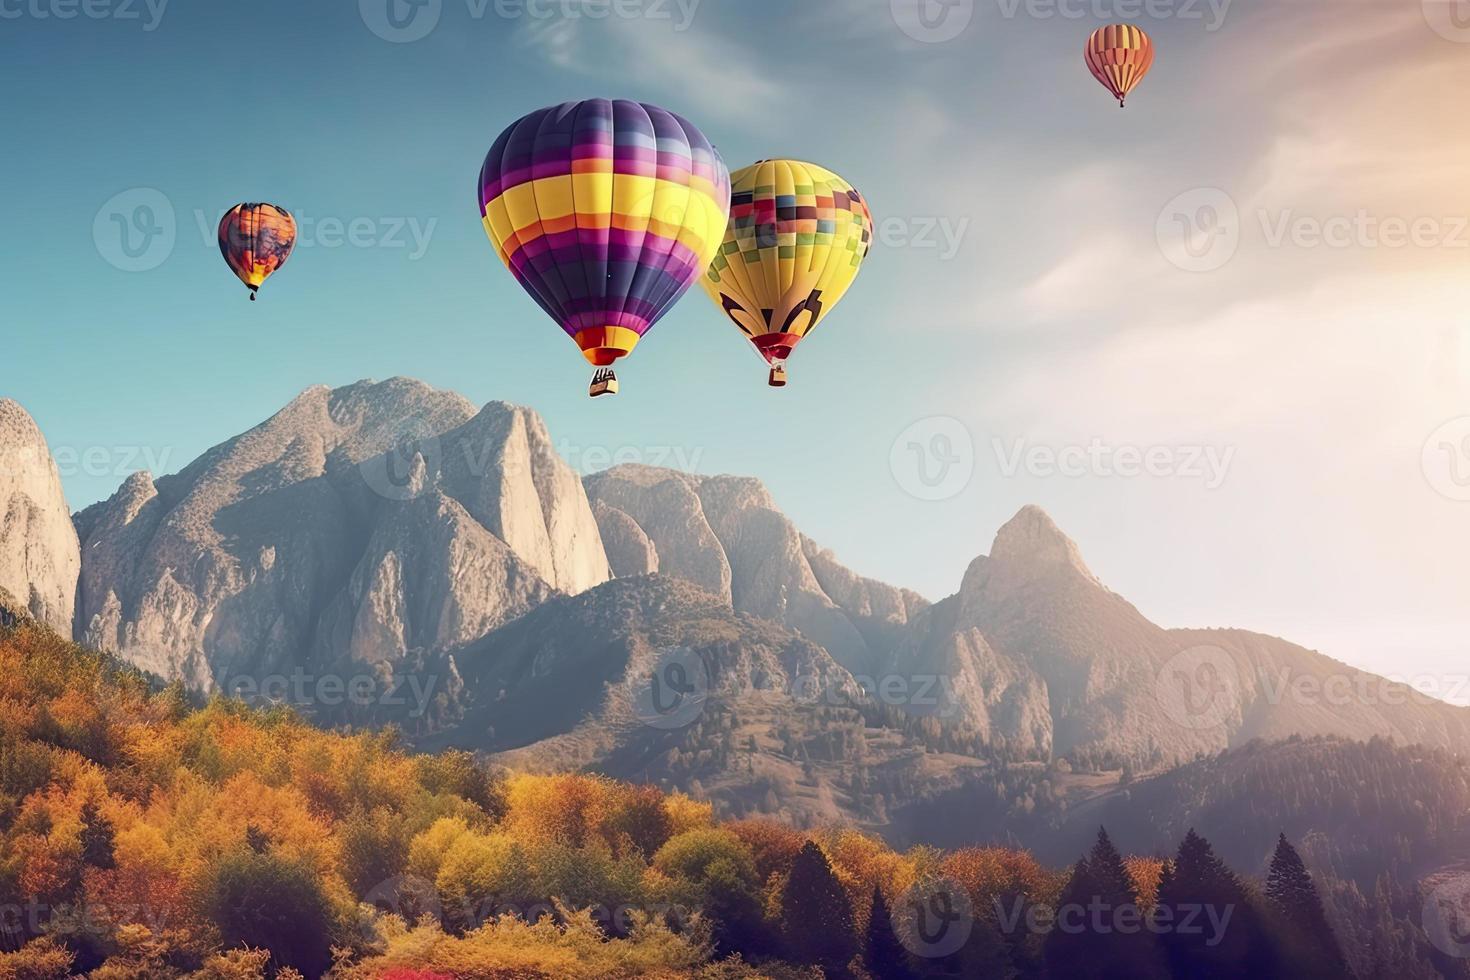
(798, 235)
(1119, 56)
(606, 212)
(256, 240)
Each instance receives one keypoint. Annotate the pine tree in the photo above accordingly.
(816, 917)
(882, 952)
(1308, 942)
(97, 837)
(1100, 930)
(1211, 926)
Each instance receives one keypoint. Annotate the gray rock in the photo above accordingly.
(39, 554)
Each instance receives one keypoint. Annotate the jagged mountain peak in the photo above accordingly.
(1032, 539)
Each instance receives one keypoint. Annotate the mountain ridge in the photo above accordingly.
(396, 531)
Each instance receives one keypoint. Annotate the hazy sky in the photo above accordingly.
(1218, 335)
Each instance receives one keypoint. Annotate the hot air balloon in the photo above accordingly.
(798, 235)
(256, 240)
(1119, 55)
(606, 212)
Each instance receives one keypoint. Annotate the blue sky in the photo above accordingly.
(1253, 278)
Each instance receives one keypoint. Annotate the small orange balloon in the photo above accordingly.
(1118, 56)
(256, 240)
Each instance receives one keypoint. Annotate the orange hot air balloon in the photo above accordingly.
(256, 240)
(1119, 55)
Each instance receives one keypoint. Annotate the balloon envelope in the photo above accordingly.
(797, 238)
(606, 212)
(256, 240)
(1118, 56)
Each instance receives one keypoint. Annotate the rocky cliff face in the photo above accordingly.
(39, 555)
(395, 528)
(726, 535)
(368, 523)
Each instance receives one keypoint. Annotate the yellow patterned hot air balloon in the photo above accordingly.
(1118, 56)
(797, 237)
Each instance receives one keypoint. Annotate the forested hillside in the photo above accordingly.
(142, 836)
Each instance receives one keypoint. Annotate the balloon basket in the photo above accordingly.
(604, 382)
(778, 376)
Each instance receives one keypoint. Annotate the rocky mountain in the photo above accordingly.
(371, 524)
(39, 555)
(726, 535)
(395, 531)
(653, 679)
(1120, 690)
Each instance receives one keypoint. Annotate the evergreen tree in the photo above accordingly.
(816, 917)
(1309, 946)
(1211, 925)
(882, 952)
(97, 836)
(1100, 930)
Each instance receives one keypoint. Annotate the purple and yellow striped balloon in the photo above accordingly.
(606, 212)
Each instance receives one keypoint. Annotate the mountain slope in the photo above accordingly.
(772, 723)
(39, 554)
(364, 522)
